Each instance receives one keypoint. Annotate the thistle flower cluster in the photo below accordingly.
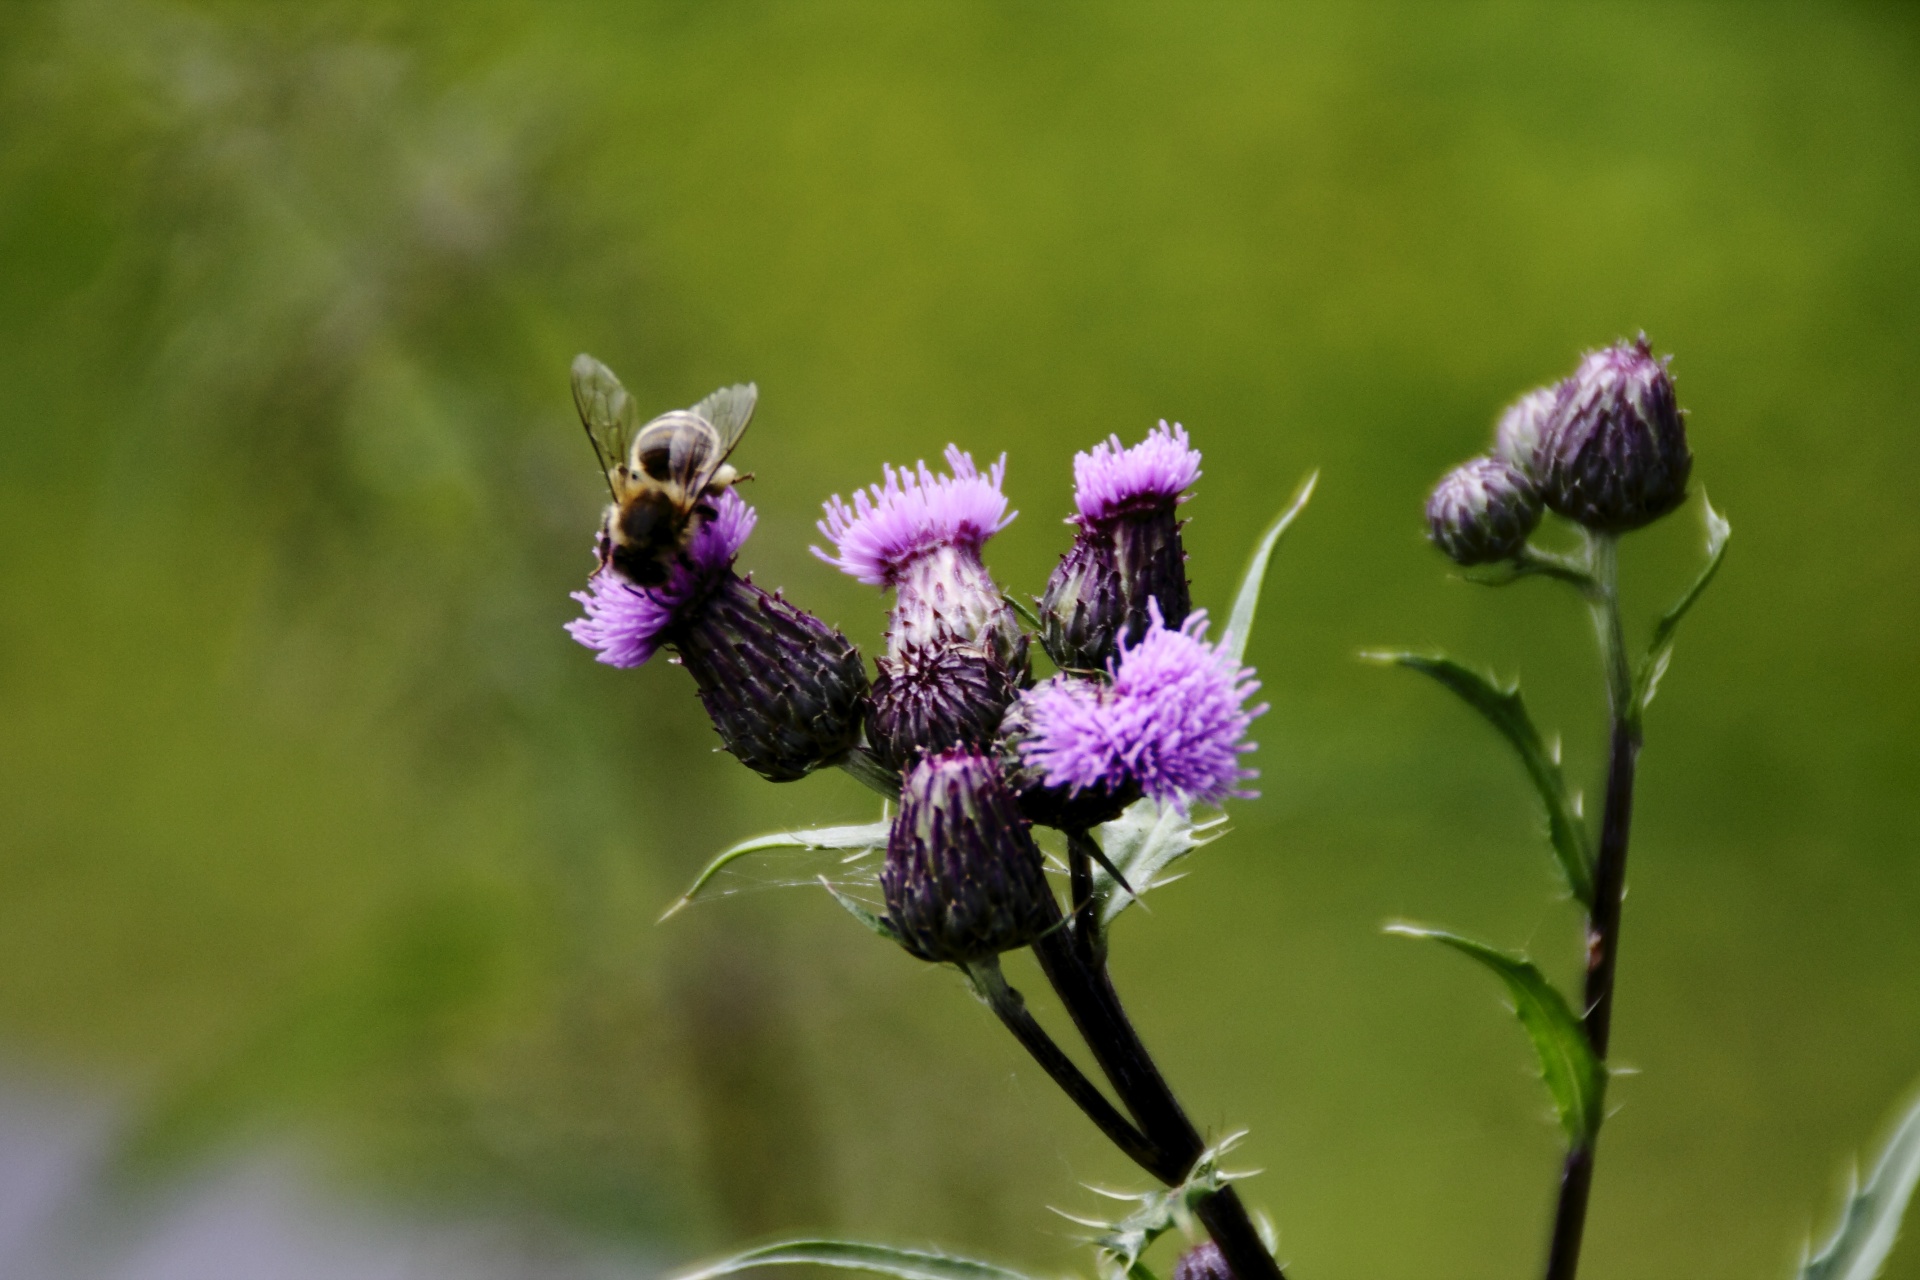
(1606, 447)
(1142, 704)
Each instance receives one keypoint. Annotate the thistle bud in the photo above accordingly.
(930, 698)
(1615, 456)
(963, 879)
(1482, 511)
(785, 691)
(1202, 1262)
(1128, 551)
(1516, 441)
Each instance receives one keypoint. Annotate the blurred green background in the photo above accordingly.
(313, 822)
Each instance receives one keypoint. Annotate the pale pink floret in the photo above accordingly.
(887, 527)
(1173, 720)
(1111, 480)
(627, 624)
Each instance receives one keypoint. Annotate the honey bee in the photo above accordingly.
(660, 475)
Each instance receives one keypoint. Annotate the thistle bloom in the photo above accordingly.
(955, 654)
(785, 691)
(963, 878)
(1127, 551)
(1482, 511)
(1615, 457)
(1173, 721)
(922, 535)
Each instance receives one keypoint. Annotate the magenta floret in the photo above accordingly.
(1173, 721)
(627, 624)
(1110, 480)
(887, 527)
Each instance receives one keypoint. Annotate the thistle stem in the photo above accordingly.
(1086, 989)
(1011, 1008)
(1610, 878)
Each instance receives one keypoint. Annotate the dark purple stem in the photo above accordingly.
(1087, 991)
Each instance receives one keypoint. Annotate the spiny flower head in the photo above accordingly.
(1111, 480)
(1482, 511)
(887, 527)
(1615, 455)
(627, 624)
(963, 878)
(1172, 721)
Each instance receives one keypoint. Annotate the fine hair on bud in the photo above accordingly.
(1064, 807)
(1126, 553)
(963, 878)
(1614, 456)
(1483, 511)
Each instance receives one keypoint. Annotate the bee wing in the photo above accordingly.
(729, 409)
(606, 411)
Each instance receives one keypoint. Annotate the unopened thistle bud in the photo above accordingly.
(785, 691)
(930, 699)
(1615, 455)
(1482, 511)
(1202, 1262)
(1127, 552)
(1516, 440)
(963, 878)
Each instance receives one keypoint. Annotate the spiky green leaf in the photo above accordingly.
(1575, 1077)
(1143, 844)
(1119, 1244)
(853, 1255)
(1233, 641)
(1871, 1222)
(853, 841)
(1646, 681)
(1507, 712)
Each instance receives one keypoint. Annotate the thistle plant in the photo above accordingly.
(1131, 746)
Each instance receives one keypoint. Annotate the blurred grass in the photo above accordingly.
(313, 817)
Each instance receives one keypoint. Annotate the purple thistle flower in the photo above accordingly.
(885, 529)
(1172, 721)
(786, 692)
(1128, 551)
(627, 624)
(1110, 480)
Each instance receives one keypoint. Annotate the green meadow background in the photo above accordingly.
(314, 823)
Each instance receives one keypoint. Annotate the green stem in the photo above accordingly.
(862, 764)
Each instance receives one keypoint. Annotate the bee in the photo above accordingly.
(661, 475)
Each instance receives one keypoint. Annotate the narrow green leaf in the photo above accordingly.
(1022, 610)
(1574, 1076)
(852, 1255)
(858, 910)
(1646, 680)
(1142, 843)
(857, 839)
(1507, 712)
(1233, 641)
(1871, 1222)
